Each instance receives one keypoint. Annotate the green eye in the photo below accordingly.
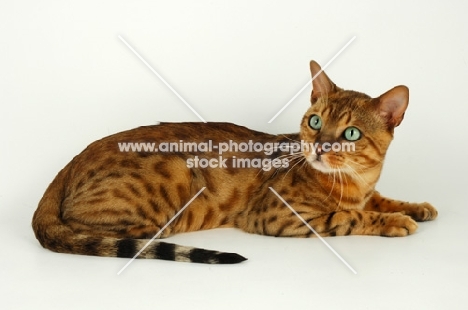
(352, 134)
(315, 122)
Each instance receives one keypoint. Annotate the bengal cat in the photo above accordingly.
(110, 202)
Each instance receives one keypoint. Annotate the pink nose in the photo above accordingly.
(319, 150)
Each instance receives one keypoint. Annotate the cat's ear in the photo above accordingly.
(321, 83)
(392, 105)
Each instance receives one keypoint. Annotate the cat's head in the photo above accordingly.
(350, 131)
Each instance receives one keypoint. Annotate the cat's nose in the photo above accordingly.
(319, 150)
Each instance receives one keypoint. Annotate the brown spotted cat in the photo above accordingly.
(108, 202)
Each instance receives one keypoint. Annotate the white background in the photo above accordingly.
(66, 80)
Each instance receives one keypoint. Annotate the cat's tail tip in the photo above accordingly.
(214, 257)
(230, 258)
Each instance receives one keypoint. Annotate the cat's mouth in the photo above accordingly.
(320, 162)
(322, 166)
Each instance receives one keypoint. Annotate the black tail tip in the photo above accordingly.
(214, 257)
(230, 258)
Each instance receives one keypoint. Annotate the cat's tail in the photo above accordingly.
(54, 234)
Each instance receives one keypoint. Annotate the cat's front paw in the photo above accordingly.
(397, 225)
(421, 212)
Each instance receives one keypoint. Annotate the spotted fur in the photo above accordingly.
(109, 203)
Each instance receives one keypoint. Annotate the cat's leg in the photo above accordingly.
(284, 223)
(418, 211)
(358, 222)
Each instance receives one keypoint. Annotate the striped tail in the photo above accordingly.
(168, 251)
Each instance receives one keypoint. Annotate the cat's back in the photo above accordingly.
(187, 132)
(167, 139)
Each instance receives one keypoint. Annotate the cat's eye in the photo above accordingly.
(315, 122)
(352, 134)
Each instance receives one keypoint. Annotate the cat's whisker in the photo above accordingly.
(359, 164)
(260, 170)
(299, 154)
(333, 184)
(283, 135)
(357, 176)
(366, 167)
(304, 162)
(303, 158)
(289, 157)
(346, 181)
(341, 187)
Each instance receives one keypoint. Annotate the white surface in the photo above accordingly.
(67, 80)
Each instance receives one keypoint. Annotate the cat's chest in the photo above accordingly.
(323, 192)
